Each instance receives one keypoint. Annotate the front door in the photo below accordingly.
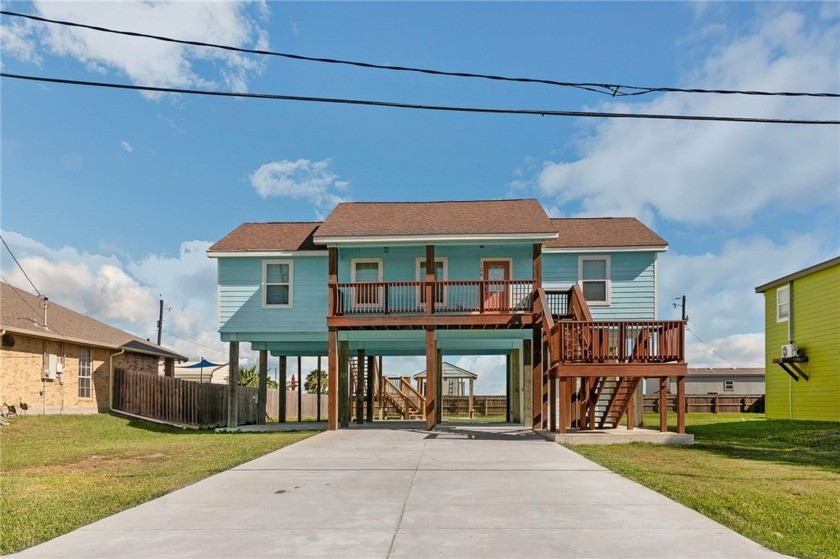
(496, 274)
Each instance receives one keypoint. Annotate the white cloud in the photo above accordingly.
(127, 147)
(125, 294)
(723, 308)
(697, 172)
(301, 179)
(147, 61)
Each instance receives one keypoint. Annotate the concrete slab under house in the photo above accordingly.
(569, 303)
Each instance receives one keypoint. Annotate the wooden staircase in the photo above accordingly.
(395, 394)
(616, 395)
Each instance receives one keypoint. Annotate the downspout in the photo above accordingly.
(111, 379)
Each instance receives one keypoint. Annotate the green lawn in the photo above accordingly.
(777, 482)
(63, 472)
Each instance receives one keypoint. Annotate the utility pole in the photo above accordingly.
(682, 304)
(160, 320)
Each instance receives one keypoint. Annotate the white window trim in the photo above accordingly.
(353, 261)
(263, 284)
(731, 386)
(445, 261)
(90, 374)
(778, 290)
(608, 279)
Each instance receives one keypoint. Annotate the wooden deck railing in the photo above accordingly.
(450, 297)
(658, 341)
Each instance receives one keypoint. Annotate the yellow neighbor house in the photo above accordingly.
(802, 343)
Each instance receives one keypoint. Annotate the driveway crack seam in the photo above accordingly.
(405, 503)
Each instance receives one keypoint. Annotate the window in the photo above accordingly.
(783, 303)
(85, 367)
(440, 274)
(729, 385)
(277, 283)
(594, 275)
(367, 270)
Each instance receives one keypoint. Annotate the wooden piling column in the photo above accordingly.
(663, 404)
(318, 391)
(527, 382)
(343, 384)
(516, 396)
(439, 391)
(282, 373)
(431, 379)
(681, 405)
(360, 387)
(371, 387)
(262, 390)
(552, 404)
(332, 380)
(233, 383)
(537, 382)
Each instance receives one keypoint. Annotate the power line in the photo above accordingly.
(415, 106)
(611, 89)
(710, 349)
(217, 350)
(19, 266)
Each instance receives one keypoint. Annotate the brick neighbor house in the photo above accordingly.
(60, 361)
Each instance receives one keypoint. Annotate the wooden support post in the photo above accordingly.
(471, 403)
(439, 391)
(663, 404)
(527, 382)
(318, 391)
(564, 407)
(516, 363)
(431, 379)
(360, 387)
(332, 380)
(681, 405)
(333, 302)
(371, 388)
(552, 404)
(430, 278)
(300, 390)
(233, 383)
(282, 410)
(343, 385)
(630, 412)
(508, 389)
(537, 415)
(262, 390)
(381, 380)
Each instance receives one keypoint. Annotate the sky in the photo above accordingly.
(109, 199)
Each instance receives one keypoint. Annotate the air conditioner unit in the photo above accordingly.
(790, 350)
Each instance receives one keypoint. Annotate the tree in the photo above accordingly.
(310, 384)
(248, 376)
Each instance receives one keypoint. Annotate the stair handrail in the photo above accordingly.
(418, 400)
(391, 390)
(577, 304)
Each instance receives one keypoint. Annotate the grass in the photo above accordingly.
(776, 482)
(62, 472)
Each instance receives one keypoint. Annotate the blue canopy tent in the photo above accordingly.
(200, 365)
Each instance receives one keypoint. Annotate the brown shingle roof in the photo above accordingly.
(398, 219)
(593, 232)
(21, 311)
(250, 237)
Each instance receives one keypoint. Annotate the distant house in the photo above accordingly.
(56, 360)
(726, 382)
(802, 343)
(456, 381)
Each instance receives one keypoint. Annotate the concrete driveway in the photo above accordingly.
(457, 492)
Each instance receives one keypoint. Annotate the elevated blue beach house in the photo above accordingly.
(570, 302)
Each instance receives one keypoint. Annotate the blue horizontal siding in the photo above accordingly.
(632, 279)
(240, 297)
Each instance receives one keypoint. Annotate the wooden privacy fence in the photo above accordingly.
(309, 405)
(712, 403)
(482, 405)
(180, 401)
